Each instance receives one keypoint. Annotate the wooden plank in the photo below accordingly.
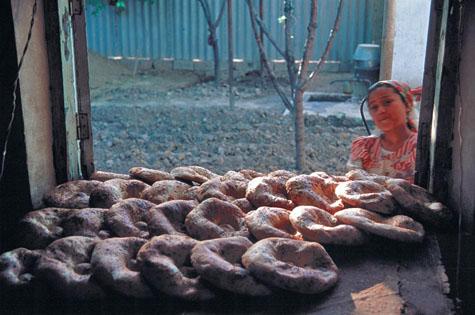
(52, 31)
(382, 277)
(69, 89)
(427, 100)
(443, 120)
(63, 89)
(82, 89)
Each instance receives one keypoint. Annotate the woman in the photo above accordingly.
(393, 152)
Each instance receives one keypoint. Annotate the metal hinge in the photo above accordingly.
(82, 125)
(75, 7)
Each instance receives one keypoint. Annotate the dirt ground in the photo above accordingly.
(164, 119)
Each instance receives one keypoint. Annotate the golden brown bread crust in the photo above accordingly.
(74, 194)
(129, 218)
(250, 174)
(89, 222)
(400, 227)
(310, 190)
(219, 262)
(327, 183)
(104, 176)
(271, 222)
(282, 174)
(359, 174)
(222, 188)
(244, 204)
(166, 266)
(236, 176)
(149, 175)
(169, 217)
(367, 195)
(41, 227)
(419, 204)
(114, 266)
(317, 225)
(115, 190)
(17, 268)
(192, 173)
(268, 191)
(299, 266)
(215, 218)
(166, 190)
(65, 267)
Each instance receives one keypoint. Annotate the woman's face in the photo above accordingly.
(387, 109)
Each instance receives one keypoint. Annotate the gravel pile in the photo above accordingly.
(215, 137)
(163, 119)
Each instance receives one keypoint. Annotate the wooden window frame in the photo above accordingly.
(436, 118)
(65, 28)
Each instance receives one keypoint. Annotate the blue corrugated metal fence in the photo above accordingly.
(178, 29)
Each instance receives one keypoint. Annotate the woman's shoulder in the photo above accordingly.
(413, 137)
(362, 147)
(364, 141)
(409, 146)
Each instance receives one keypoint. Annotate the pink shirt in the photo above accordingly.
(367, 153)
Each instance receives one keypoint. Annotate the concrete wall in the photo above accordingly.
(410, 38)
(463, 174)
(34, 85)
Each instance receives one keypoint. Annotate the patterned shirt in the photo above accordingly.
(367, 153)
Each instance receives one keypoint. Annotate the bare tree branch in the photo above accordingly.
(331, 36)
(212, 39)
(221, 13)
(289, 44)
(261, 16)
(311, 29)
(287, 103)
(264, 30)
(204, 4)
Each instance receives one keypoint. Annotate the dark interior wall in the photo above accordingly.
(14, 186)
(454, 169)
(462, 184)
(463, 174)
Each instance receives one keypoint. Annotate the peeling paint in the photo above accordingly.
(65, 27)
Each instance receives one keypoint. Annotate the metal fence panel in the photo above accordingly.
(178, 29)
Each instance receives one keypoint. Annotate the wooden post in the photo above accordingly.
(52, 30)
(82, 89)
(427, 100)
(60, 46)
(69, 88)
(444, 104)
(230, 53)
(387, 44)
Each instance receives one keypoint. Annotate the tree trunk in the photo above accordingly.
(214, 43)
(289, 44)
(299, 131)
(230, 54)
(212, 38)
(261, 35)
(299, 82)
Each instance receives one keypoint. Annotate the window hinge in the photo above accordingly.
(75, 7)
(82, 124)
